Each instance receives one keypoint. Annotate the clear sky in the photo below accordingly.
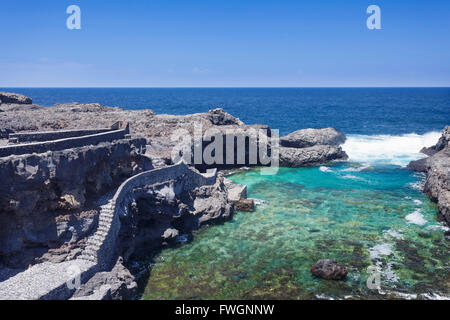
(227, 43)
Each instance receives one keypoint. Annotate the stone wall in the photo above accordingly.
(102, 244)
(61, 144)
(22, 137)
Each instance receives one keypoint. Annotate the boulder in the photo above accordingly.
(219, 117)
(294, 157)
(329, 269)
(15, 98)
(244, 205)
(311, 137)
(237, 192)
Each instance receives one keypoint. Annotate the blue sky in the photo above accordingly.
(230, 43)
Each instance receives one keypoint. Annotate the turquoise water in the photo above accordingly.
(359, 215)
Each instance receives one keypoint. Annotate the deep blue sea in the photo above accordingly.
(367, 111)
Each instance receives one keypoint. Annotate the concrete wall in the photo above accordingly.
(61, 144)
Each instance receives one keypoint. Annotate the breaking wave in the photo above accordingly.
(388, 149)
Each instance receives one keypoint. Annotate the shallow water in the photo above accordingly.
(360, 215)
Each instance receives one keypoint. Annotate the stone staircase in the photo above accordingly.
(95, 242)
(52, 280)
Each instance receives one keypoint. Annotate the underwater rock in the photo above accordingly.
(245, 205)
(329, 269)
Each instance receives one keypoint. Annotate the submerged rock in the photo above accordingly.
(329, 269)
(245, 205)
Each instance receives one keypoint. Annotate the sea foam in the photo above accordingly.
(416, 218)
(389, 149)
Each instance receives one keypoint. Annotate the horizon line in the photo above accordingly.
(224, 87)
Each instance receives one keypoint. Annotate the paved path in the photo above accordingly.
(44, 281)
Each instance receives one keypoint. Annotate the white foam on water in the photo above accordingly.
(259, 202)
(416, 218)
(323, 297)
(389, 149)
(417, 202)
(325, 169)
(350, 176)
(357, 169)
(392, 234)
(439, 227)
(388, 273)
(384, 249)
(414, 296)
(418, 185)
(435, 296)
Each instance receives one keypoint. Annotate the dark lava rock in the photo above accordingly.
(244, 205)
(329, 269)
(418, 165)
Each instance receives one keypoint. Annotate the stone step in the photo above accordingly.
(98, 237)
(101, 233)
(104, 229)
(104, 223)
(106, 219)
(95, 242)
(94, 246)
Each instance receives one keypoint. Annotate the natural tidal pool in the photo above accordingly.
(359, 215)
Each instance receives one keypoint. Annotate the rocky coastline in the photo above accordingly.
(437, 169)
(54, 204)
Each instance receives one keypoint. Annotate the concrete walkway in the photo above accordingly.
(45, 281)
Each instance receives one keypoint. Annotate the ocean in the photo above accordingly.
(368, 111)
(368, 213)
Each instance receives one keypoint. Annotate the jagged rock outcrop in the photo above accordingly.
(311, 137)
(46, 200)
(443, 142)
(164, 213)
(437, 168)
(300, 157)
(309, 147)
(7, 97)
(117, 284)
(161, 130)
(219, 117)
